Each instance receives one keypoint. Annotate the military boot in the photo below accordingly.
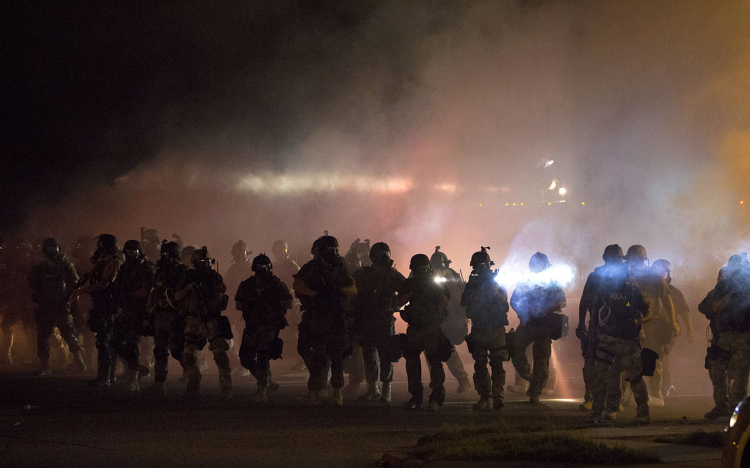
(272, 386)
(484, 404)
(718, 412)
(314, 398)
(193, 385)
(44, 369)
(415, 402)
(464, 385)
(261, 394)
(338, 396)
(130, 380)
(158, 388)
(81, 366)
(372, 393)
(386, 395)
(102, 375)
(434, 406)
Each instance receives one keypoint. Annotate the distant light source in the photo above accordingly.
(742, 202)
(507, 204)
(549, 203)
(549, 163)
(562, 191)
(583, 203)
(552, 185)
(447, 187)
(514, 204)
(521, 204)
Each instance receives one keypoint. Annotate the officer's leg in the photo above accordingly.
(437, 381)
(44, 328)
(633, 367)
(542, 350)
(317, 364)
(615, 383)
(589, 377)
(68, 331)
(370, 357)
(497, 357)
(386, 366)
(739, 367)
(523, 339)
(456, 368)
(161, 354)
(335, 350)
(603, 366)
(219, 347)
(482, 381)
(193, 342)
(414, 373)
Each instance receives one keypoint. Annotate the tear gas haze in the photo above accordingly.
(418, 124)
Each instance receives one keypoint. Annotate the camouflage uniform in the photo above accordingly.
(169, 325)
(533, 303)
(374, 322)
(203, 307)
(619, 347)
(263, 302)
(658, 333)
(425, 314)
(727, 306)
(135, 279)
(486, 305)
(51, 284)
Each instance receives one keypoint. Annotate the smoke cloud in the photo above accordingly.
(419, 124)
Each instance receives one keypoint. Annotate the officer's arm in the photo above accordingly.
(646, 314)
(184, 292)
(585, 303)
(109, 277)
(301, 289)
(72, 278)
(666, 301)
(350, 290)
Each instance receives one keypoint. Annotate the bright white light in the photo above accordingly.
(446, 187)
(549, 163)
(560, 274)
(552, 185)
(282, 184)
(440, 279)
(562, 191)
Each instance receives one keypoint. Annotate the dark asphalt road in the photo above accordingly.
(68, 424)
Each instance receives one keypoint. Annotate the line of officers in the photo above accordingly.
(632, 322)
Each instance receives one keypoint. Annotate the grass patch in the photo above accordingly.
(509, 445)
(699, 437)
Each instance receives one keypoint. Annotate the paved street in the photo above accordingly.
(59, 421)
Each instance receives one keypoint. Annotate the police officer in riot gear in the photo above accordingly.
(456, 325)
(376, 301)
(534, 300)
(150, 244)
(81, 305)
(425, 314)
(102, 286)
(134, 283)
(239, 270)
(202, 293)
(623, 309)
(52, 281)
(263, 299)
(324, 285)
(613, 258)
(165, 315)
(487, 308)
(660, 332)
(285, 268)
(727, 307)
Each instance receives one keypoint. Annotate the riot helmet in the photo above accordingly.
(328, 248)
(186, 255)
(380, 254)
(636, 254)
(202, 258)
(438, 260)
(239, 251)
(538, 263)
(51, 249)
(280, 250)
(420, 264)
(170, 251)
(481, 260)
(612, 254)
(132, 249)
(663, 267)
(262, 265)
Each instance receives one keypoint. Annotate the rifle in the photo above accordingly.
(81, 281)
